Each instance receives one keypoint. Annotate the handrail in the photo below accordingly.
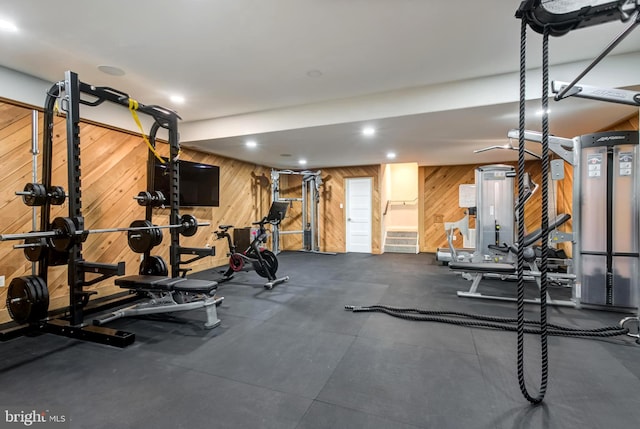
(404, 203)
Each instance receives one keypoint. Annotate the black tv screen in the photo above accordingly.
(199, 183)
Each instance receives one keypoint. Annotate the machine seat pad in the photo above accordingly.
(149, 282)
(483, 267)
(196, 286)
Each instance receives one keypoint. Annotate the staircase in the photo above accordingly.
(401, 242)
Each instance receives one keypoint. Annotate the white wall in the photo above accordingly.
(402, 191)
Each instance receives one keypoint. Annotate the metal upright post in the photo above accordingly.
(75, 273)
(34, 173)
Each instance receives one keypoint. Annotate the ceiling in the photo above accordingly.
(436, 79)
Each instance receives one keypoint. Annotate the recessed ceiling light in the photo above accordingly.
(251, 143)
(8, 26)
(302, 162)
(368, 131)
(177, 98)
(391, 155)
(111, 70)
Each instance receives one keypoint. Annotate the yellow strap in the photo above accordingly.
(133, 106)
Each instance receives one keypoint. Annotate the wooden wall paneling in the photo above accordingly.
(16, 167)
(332, 216)
(113, 170)
(245, 197)
(440, 196)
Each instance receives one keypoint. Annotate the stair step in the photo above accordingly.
(401, 240)
(402, 234)
(400, 249)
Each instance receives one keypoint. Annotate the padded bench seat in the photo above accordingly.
(166, 284)
(195, 286)
(483, 267)
(148, 282)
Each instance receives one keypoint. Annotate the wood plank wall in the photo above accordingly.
(113, 169)
(332, 222)
(441, 201)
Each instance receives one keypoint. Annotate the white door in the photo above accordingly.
(358, 208)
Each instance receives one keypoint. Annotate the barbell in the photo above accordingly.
(64, 233)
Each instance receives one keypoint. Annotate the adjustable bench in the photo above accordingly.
(168, 295)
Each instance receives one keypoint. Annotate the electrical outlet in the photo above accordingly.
(1, 281)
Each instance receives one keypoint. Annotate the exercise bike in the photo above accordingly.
(255, 257)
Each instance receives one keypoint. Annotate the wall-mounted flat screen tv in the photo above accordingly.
(199, 183)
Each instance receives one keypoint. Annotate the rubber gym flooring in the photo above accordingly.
(294, 358)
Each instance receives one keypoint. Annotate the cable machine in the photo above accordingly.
(309, 199)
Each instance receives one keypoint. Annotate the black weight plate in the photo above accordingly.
(144, 198)
(40, 298)
(159, 199)
(157, 236)
(164, 269)
(37, 252)
(141, 241)
(43, 309)
(37, 195)
(57, 195)
(19, 300)
(189, 225)
(65, 240)
(153, 266)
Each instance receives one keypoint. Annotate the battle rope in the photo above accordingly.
(133, 107)
(491, 322)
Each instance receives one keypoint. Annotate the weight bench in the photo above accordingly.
(477, 270)
(167, 295)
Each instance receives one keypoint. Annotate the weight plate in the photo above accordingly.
(37, 252)
(189, 225)
(57, 195)
(43, 300)
(144, 198)
(65, 240)
(157, 236)
(154, 266)
(159, 199)
(142, 240)
(20, 300)
(40, 305)
(37, 195)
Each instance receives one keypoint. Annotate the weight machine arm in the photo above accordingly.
(559, 145)
(621, 96)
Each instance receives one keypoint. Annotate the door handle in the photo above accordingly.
(348, 219)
